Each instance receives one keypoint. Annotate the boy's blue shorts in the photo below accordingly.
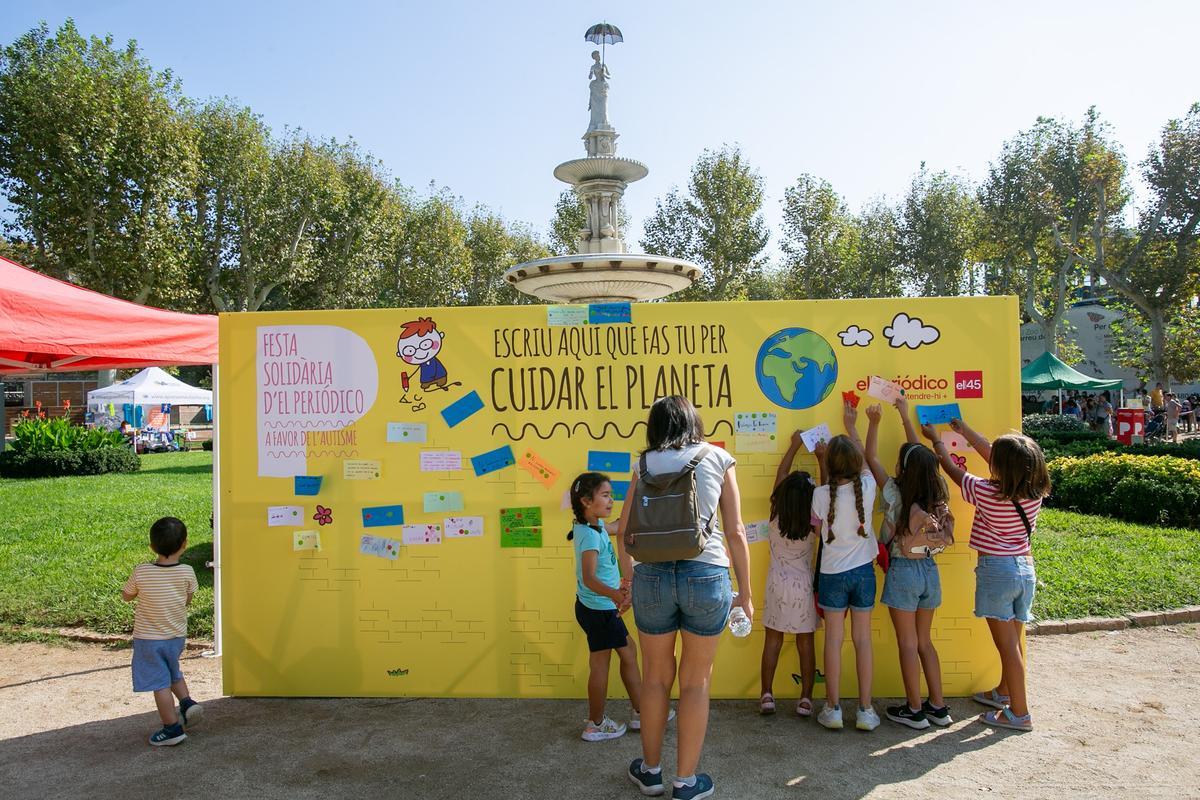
(156, 663)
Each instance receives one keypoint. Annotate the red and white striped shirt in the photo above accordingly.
(997, 529)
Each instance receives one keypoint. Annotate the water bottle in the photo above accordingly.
(739, 623)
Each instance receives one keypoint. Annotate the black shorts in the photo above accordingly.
(605, 629)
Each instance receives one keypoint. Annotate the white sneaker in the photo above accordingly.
(866, 719)
(831, 718)
(635, 722)
(607, 729)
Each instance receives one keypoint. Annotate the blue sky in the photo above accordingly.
(486, 98)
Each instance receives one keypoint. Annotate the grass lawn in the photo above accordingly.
(68, 544)
(1096, 566)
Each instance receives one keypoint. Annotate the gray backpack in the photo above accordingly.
(664, 515)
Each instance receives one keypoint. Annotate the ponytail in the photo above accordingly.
(858, 502)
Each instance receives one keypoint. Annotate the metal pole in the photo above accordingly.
(216, 482)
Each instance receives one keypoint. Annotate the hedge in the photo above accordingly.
(207, 444)
(1159, 490)
(58, 463)
(1035, 424)
(1073, 445)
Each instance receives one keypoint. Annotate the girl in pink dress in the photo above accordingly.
(789, 606)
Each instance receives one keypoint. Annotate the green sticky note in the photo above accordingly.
(443, 501)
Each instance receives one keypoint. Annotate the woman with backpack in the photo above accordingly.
(670, 526)
(917, 525)
(1006, 510)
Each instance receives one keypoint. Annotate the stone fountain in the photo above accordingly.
(600, 269)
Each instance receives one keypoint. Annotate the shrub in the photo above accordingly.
(1154, 489)
(1036, 424)
(207, 444)
(1072, 445)
(38, 435)
(57, 463)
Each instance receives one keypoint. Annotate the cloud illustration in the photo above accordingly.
(910, 332)
(855, 336)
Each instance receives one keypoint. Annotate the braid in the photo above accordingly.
(858, 501)
(832, 506)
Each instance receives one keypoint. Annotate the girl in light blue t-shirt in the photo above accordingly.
(601, 597)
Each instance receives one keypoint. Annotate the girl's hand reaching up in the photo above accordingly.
(929, 432)
(849, 415)
(874, 413)
(797, 440)
(957, 425)
(902, 405)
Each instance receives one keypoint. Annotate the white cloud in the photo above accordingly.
(910, 332)
(855, 336)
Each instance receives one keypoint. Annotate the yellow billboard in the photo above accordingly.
(392, 482)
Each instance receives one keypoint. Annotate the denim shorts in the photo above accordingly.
(156, 663)
(854, 588)
(690, 595)
(912, 583)
(1004, 587)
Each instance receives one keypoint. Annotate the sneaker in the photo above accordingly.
(831, 718)
(650, 784)
(865, 719)
(906, 716)
(703, 787)
(938, 716)
(635, 720)
(607, 729)
(168, 735)
(190, 713)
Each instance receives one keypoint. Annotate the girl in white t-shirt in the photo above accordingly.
(845, 503)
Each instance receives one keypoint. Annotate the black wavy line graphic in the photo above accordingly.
(573, 429)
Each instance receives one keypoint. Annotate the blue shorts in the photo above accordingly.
(854, 588)
(156, 663)
(912, 583)
(691, 595)
(1004, 587)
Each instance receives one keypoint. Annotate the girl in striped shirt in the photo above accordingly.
(1006, 509)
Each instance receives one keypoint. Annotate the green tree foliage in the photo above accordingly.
(94, 163)
(1155, 267)
(937, 227)
(718, 224)
(1039, 204)
(570, 217)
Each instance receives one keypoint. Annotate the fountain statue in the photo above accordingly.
(600, 269)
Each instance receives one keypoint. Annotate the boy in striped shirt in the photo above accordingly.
(163, 590)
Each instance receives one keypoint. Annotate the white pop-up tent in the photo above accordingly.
(150, 387)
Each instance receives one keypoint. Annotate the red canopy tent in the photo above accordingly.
(48, 325)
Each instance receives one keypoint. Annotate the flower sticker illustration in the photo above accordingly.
(324, 516)
(959, 461)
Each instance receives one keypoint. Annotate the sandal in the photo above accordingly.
(804, 707)
(991, 698)
(766, 704)
(1005, 718)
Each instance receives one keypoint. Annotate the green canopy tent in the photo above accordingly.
(1047, 371)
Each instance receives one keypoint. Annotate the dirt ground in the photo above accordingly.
(1116, 716)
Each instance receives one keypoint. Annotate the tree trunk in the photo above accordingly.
(1158, 346)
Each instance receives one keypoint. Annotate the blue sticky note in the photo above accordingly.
(443, 501)
(462, 408)
(604, 461)
(935, 415)
(609, 313)
(382, 516)
(308, 485)
(493, 460)
(620, 489)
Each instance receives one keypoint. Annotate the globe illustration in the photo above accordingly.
(796, 368)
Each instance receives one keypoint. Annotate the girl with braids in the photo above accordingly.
(844, 504)
(1006, 503)
(789, 606)
(600, 599)
(916, 513)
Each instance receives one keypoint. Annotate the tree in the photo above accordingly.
(570, 217)
(719, 224)
(879, 254)
(493, 249)
(431, 262)
(937, 229)
(1039, 203)
(95, 162)
(1156, 267)
(819, 242)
